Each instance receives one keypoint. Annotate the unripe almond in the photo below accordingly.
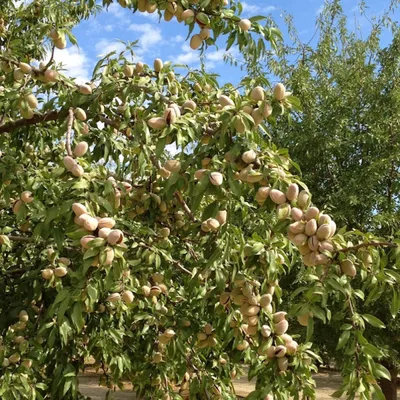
(297, 227)
(311, 227)
(266, 331)
(326, 246)
(266, 110)
(23, 316)
(280, 351)
(205, 227)
(155, 290)
(292, 191)
(257, 116)
(158, 65)
(90, 224)
(165, 232)
(77, 171)
(60, 272)
(187, 14)
(114, 297)
(249, 156)
(279, 316)
(296, 214)
(27, 364)
(195, 42)
(245, 24)
(283, 364)
(81, 149)
(303, 199)
(281, 327)
(157, 123)
(164, 172)
(257, 94)
(271, 352)
(127, 296)
(221, 217)
(243, 345)
(69, 163)
(80, 114)
(27, 197)
(106, 223)
(311, 213)
(64, 260)
(47, 273)
(79, 209)
(190, 104)
(208, 329)
(85, 240)
(249, 311)
(173, 166)
(31, 100)
(300, 239)
(240, 126)
(348, 268)
(25, 68)
(199, 174)
(224, 298)
(115, 237)
(60, 43)
(277, 196)
(169, 333)
(170, 116)
(333, 228)
(6, 362)
(225, 101)
(313, 243)
(279, 92)
(263, 193)
(15, 358)
(324, 232)
(216, 178)
(85, 89)
(265, 300)
(128, 71)
(213, 224)
(139, 67)
(291, 347)
(205, 33)
(50, 75)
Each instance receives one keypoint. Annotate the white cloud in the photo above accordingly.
(252, 9)
(116, 10)
(75, 63)
(108, 28)
(105, 46)
(150, 35)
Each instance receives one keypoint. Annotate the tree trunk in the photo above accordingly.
(389, 388)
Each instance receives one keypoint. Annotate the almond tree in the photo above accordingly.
(163, 268)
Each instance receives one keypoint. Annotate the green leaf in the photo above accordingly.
(374, 321)
(344, 338)
(382, 372)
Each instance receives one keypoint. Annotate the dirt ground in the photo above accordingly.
(327, 383)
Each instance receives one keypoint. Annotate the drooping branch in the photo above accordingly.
(368, 244)
(185, 207)
(20, 238)
(69, 129)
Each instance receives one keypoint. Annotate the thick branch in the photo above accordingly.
(185, 207)
(69, 129)
(37, 119)
(369, 244)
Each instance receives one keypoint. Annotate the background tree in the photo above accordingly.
(347, 138)
(164, 269)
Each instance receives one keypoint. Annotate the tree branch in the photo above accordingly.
(185, 207)
(69, 129)
(20, 239)
(37, 119)
(369, 244)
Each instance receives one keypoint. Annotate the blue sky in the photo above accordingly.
(166, 40)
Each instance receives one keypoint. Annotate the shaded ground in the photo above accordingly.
(327, 383)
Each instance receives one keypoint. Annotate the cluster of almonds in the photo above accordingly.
(26, 198)
(154, 288)
(18, 339)
(207, 338)
(71, 164)
(60, 271)
(103, 228)
(213, 224)
(126, 296)
(171, 114)
(58, 38)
